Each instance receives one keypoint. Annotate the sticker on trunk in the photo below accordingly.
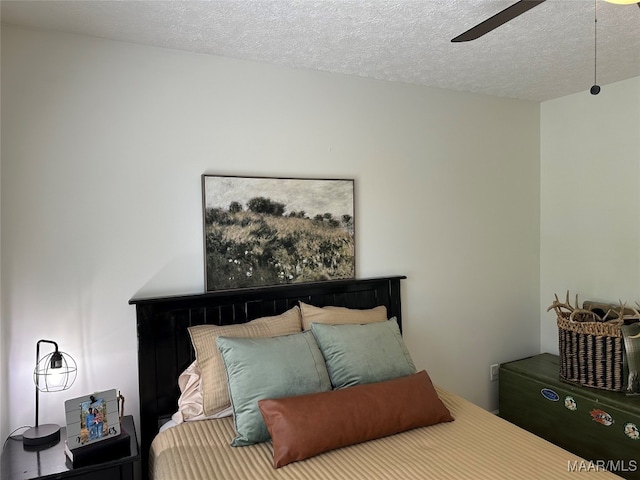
(631, 431)
(550, 394)
(570, 403)
(601, 417)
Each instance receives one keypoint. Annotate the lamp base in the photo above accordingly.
(47, 434)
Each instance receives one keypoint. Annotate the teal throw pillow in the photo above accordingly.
(357, 354)
(261, 368)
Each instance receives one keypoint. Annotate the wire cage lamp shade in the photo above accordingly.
(54, 372)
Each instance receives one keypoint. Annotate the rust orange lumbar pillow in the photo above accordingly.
(306, 425)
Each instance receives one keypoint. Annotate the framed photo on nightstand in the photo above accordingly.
(92, 418)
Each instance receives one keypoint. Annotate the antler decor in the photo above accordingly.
(576, 314)
(589, 311)
(628, 314)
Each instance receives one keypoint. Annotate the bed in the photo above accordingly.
(471, 443)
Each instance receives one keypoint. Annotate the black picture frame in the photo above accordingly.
(260, 231)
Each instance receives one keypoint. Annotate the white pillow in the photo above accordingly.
(190, 406)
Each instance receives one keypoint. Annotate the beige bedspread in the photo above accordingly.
(476, 445)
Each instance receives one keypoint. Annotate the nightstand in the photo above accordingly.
(51, 463)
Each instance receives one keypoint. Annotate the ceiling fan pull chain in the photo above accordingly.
(595, 89)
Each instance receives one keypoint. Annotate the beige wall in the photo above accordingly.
(590, 201)
(103, 145)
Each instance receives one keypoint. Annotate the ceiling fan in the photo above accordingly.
(508, 14)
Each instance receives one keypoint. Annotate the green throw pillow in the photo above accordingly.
(259, 368)
(357, 354)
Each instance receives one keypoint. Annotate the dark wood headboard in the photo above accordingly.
(164, 346)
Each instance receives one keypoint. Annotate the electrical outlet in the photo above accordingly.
(493, 372)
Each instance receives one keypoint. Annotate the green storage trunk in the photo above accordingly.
(598, 425)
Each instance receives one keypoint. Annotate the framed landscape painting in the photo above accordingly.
(267, 231)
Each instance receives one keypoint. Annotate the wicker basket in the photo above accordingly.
(592, 353)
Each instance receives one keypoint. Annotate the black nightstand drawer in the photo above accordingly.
(96, 474)
(122, 472)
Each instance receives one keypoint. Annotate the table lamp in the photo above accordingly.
(53, 373)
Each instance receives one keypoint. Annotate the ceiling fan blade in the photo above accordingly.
(498, 19)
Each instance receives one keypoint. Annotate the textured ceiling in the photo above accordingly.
(546, 53)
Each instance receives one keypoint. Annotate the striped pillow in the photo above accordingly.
(215, 394)
(340, 315)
